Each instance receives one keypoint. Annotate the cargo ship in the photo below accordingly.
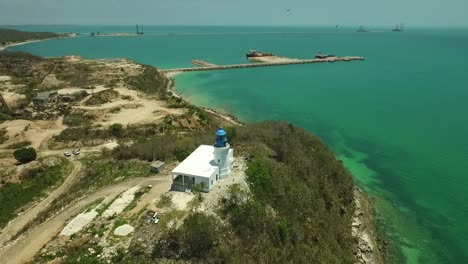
(256, 53)
(320, 55)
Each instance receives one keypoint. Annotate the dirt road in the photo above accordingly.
(17, 225)
(27, 246)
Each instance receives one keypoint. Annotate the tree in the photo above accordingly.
(116, 130)
(25, 155)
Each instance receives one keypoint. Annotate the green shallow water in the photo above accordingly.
(397, 120)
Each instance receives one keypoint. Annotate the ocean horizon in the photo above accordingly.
(397, 120)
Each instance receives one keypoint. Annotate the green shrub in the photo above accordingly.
(116, 130)
(25, 155)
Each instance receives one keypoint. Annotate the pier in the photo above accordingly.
(206, 66)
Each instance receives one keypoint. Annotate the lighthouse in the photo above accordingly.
(222, 153)
(204, 166)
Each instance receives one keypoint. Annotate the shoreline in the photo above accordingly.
(2, 48)
(225, 116)
(370, 247)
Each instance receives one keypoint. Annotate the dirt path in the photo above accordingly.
(37, 132)
(20, 222)
(27, 246)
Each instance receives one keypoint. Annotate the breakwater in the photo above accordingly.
(263, 64)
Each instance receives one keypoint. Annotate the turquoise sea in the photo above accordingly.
(398, 120)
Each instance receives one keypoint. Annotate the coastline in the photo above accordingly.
(370, 247)
(227, 117)
(2, 48)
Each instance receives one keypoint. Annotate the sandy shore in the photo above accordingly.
(29, 41)
(228, 117)
(172, 74)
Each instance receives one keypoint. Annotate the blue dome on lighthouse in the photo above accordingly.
(221, 138)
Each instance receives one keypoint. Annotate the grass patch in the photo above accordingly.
(95, 230)
(164, 201)
(115, 110)
(3, 136)
(82, 133)
(77, 119)
(103, 208)
(104, 171)
(18, 145)
(15, 195)
(135, 200)
(92, 205)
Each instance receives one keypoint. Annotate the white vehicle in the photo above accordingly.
(67, 154)
(155, 218)
(76, 152)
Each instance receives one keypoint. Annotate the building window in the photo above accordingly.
(211, 181)
(219, 160)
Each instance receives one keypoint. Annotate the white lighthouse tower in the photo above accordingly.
(223, 155)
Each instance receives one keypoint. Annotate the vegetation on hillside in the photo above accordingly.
(20, 144)
(150, 81)
(34, 183)
(298, 207)
(13, 35)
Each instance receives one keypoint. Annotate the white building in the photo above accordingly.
(205, 166)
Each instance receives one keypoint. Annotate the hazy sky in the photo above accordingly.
(236, 12)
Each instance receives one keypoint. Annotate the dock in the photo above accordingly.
(206, 66)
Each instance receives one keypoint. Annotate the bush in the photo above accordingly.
(25, 155)
(116, 130)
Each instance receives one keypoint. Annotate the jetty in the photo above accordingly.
(206, 66)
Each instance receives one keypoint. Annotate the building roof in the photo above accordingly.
(200, 163)
(157, 164)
